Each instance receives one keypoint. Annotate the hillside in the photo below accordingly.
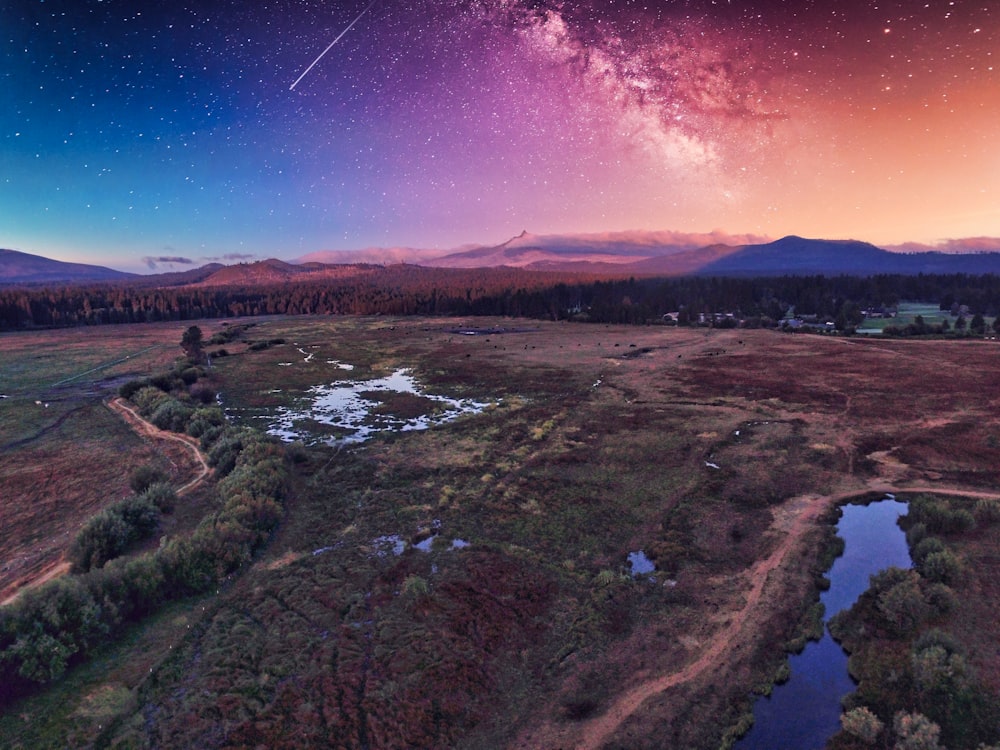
(799, 256)
(274, 271)
(23, 268)
(661, 253)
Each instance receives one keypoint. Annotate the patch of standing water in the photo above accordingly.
(805, 712)
(390, 543)
(639, 564)
(459, 544)
(343, 405)
(425, 546)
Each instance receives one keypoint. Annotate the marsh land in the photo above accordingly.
(452, 567)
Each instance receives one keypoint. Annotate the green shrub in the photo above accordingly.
(110, 532)
(204, 419)
(987, 512)
(101, 538)
(901, 603)
(926, 546)
(161, 495)
(172, 415)
(862, 723)
(140, 513)
(939, 517)
(914, 731)
(165, 382)
(196, 427)
(224, 452)
(941, 598)
(48, 627)
(128, 588)
(144, 476)
(203, 393)
(186, 567)
(415, 586)
(938, 637)
(148, 399)
(128, 389)
(209, 436)
(915, 534)
(211, 414)
(941, 567)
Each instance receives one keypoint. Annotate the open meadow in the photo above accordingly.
(65, 454)
(500, 533)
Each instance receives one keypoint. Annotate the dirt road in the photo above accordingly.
(61, 567)
(148, 429)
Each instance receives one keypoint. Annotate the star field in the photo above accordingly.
(143, 134)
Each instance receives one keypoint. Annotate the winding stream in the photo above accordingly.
(804, 712)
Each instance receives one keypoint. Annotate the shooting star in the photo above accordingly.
(330, 46)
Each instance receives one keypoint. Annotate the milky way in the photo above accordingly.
(168, 130)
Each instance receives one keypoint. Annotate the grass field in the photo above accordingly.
(907, 313)
(65, 455)
(467, 585)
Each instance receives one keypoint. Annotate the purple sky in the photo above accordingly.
(136, 131)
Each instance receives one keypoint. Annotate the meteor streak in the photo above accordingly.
(330, 46)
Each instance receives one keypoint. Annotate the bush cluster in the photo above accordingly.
(144, 477)
(113, 530)
(48, 629)
(938, 517)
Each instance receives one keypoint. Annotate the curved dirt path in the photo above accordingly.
(148, 429)
(61, 567)
(804, 510)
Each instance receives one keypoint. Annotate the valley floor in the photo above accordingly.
(467, 585)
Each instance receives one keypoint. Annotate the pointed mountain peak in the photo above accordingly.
(524, 235)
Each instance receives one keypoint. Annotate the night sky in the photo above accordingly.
(134, 133)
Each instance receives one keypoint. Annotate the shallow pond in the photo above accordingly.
(804, 712)
(639, 564)
(354, 410)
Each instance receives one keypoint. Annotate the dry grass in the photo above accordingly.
(65, 455)
(600, 443)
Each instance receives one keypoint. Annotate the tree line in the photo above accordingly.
(413, 290)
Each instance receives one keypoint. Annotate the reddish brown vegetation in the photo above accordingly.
(599, 447)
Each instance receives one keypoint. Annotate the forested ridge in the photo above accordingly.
(414, 290)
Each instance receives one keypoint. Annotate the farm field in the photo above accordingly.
(907, 313)
(466, 581)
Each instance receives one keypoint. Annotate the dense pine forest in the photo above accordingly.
(413, 290)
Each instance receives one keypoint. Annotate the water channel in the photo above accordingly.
(804, 712)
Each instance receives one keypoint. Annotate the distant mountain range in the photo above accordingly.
(678, 254)
(616, 254)
(18, 267)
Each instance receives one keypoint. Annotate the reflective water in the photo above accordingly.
(639, 564)
(345, 406)
(804, 712)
